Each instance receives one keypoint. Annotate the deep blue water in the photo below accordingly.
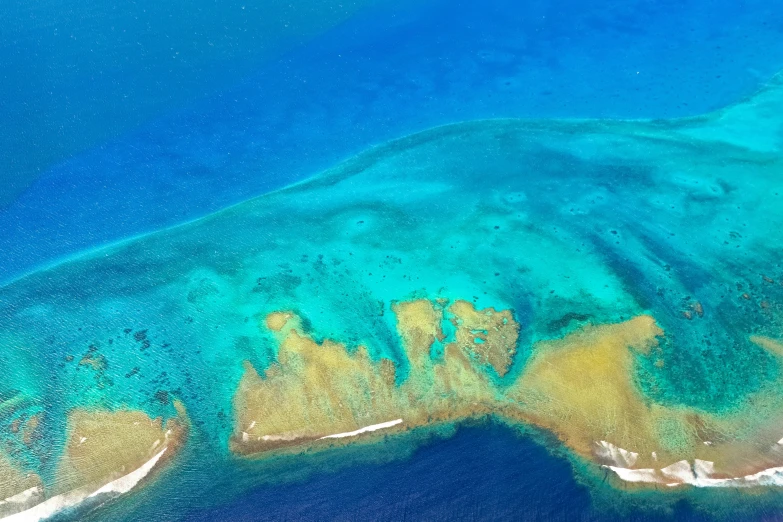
(482, 473)
(386, 73)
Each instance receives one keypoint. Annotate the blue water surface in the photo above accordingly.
(385, 73)
(382, 74)
(484, 472)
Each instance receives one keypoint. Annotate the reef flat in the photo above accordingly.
(580, 388)
(617, 283)
(106, 454)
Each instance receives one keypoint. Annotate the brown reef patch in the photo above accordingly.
(104, 445)
(581, 388)
(488, 334)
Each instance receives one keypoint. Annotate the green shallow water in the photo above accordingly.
(564, 222)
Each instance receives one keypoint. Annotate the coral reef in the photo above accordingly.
(581, 388)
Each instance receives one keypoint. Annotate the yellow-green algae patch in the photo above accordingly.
(17, 488)
(316, 391)
(20, 483)
(106, 454)
(489, 334)
(581, 388)
(768, 344)
(104, 445)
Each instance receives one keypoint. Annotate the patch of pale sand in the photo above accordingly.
(276, 321)
(771, 345)
(699, 474)
(366, 429)
(616, 455)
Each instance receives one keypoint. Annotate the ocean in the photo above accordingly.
(380, 74)
(177, 174)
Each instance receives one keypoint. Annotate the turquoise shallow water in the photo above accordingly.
(564, 222)
(445, 193)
